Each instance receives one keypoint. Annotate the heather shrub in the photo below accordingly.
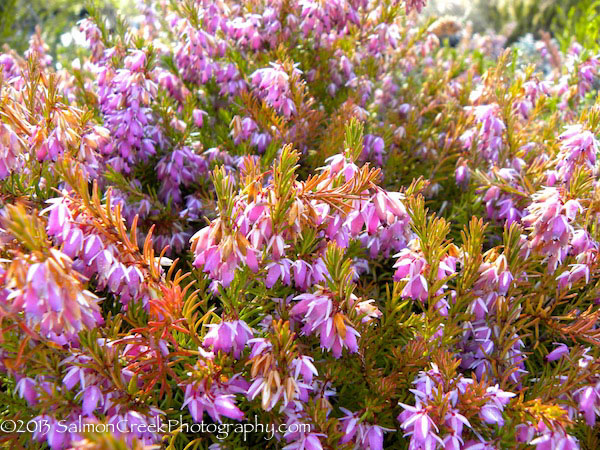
(312, 216)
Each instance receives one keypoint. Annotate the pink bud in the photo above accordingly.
(462, 175)
(375, 438)
(91, 396)
(135, 61)
(225, 406)
(273, 275)
(198, 117)
(558, 352)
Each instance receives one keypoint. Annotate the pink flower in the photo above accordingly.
(488, 135)
(198, 116)
(226, 336)
(414, 5)
(304, 366)
(91, 396)
(26, 389)
(316, 312)
(588, 399)
(335, 337)
(417, 424)
(214, 397)
(549, 221)
(558, 352)
(462, 175)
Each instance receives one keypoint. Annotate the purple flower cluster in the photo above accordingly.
(487, 135)
(44, 133)
(365, 435)
(52, 298)
(273, 86)
(228, 336)
(502, 206)
(423, 422)
(94, 395)
(180, 168)
(318, 313)
(550, 220)
(578, 149)
(10, 151)
(215, 398)
(92, 254)
(412, 267)
(124, 98)
(379, 222)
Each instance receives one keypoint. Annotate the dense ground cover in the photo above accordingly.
(297, 212)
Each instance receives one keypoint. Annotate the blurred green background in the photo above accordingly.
(565, 19)
(18, 19)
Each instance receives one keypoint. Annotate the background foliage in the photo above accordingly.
(18, 20)
(467, 131)
(567, 20)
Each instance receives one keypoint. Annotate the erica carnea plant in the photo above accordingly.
(304, 214)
